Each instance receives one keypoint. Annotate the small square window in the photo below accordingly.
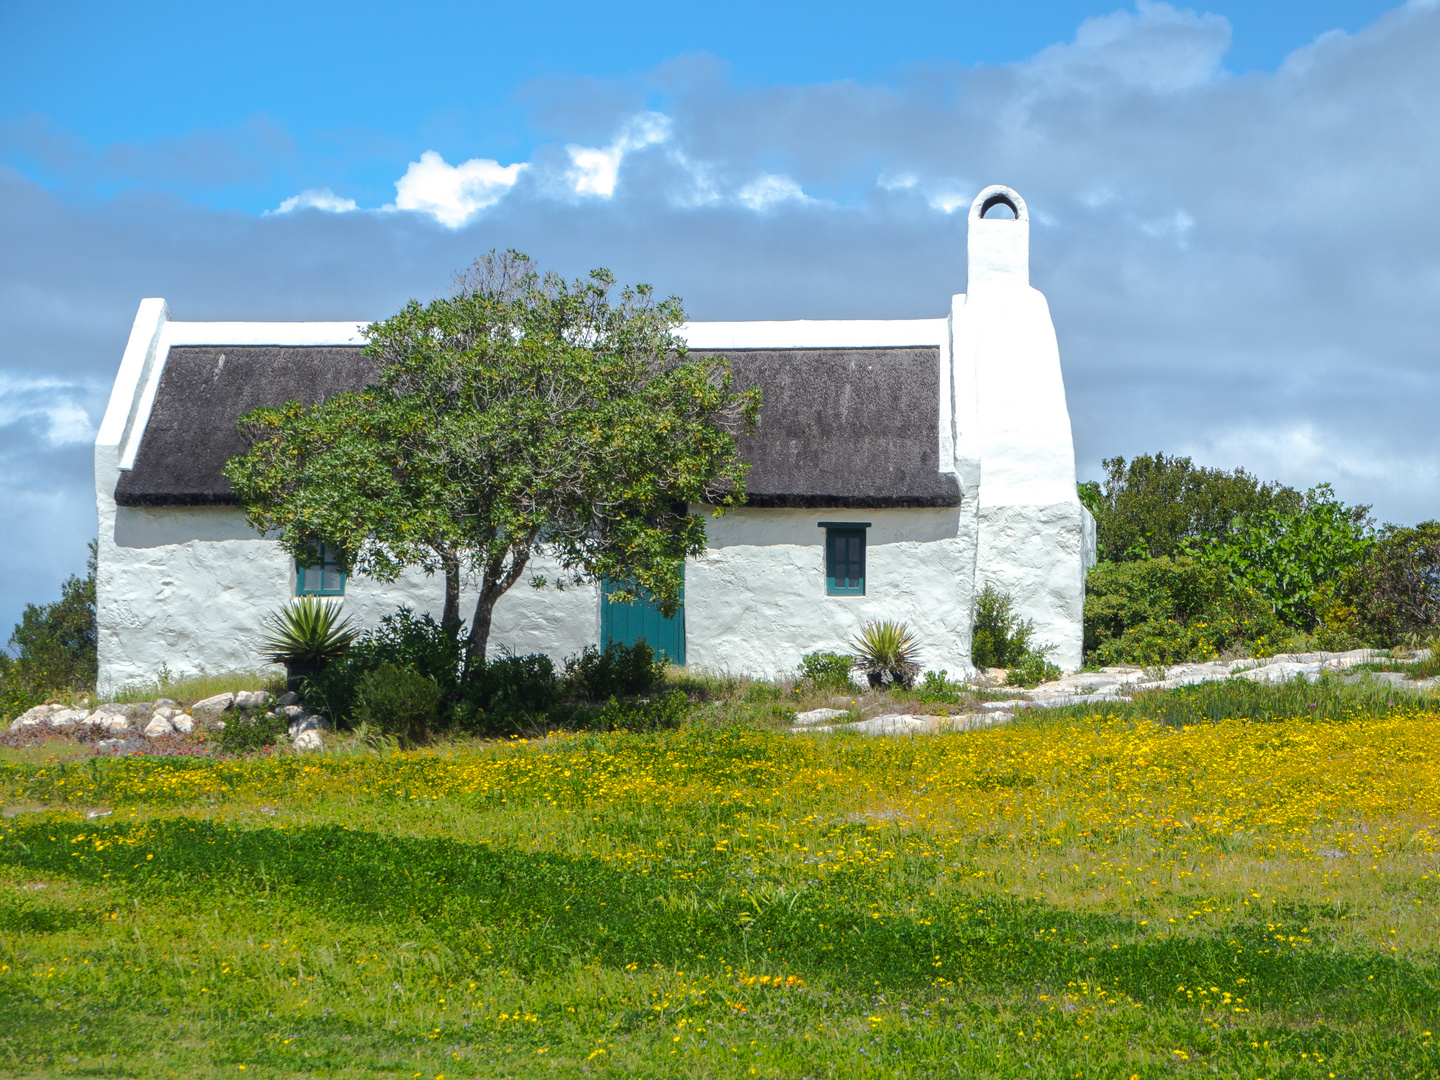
(321, 579)
(845, 557)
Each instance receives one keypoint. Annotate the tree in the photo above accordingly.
(521, 413)
(56, 641)
(1296, 560)
(1395, 590)
(1156, 506)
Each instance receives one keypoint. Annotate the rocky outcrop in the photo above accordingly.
(116, 727)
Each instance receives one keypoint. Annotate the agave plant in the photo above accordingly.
(888, 653)
(309, 632)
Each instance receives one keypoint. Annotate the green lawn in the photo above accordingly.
(1064, 897)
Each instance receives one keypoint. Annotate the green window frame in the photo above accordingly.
(844, 557)
(320, 579)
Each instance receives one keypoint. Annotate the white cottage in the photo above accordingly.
(898, 467)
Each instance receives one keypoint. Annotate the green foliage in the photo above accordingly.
(1170, 610)
(398, 702)
(308, 630)
(17, 693)
(1000, 638)
(405, 640)
(247, 733)
(827, 670)
(522, 406)
(1154, 505)
(501, 694)
(617, 671)
(1394, 591)
(936, 686)
(55, 643)
(1294, 558)
(1032, 670)
(888, 653)
(662, 713)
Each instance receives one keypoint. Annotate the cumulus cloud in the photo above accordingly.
(597, 168)
(317, 199)
(1241, 268)
(453, 194)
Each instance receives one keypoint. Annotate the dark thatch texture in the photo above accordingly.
(844, 427)
(203, 391)
(839, 427)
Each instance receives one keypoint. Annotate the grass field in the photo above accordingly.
(1070, 896)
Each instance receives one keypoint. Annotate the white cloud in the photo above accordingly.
(24, 398)
(1156, 48)
(597, 168)
(452, 194)
(317, 199)
(770, 189)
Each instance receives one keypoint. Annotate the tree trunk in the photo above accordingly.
(450, 620)
(494, 586)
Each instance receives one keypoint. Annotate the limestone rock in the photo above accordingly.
(251, 699)
(69, 718)
(182, 723)
(818, 716)
(110, 744)
(288, 698)
(163, 712)
(305, 722)
(293, 712)
(309, 740)
(37, 717)
(166, 703)
(158, 727)
(217, 704)
(113, 718)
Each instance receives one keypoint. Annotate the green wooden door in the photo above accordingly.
(628, 623)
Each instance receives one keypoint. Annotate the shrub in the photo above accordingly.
(618, 671)
(1000, 638)
(664, 712)
(937, 687)
(1032, 670)
(308, 630)
(1395, 591)
(55, 642)
(827, 670)
(888, 654)
(1168, 611)
(405, 640)
(244, 734)
(399, 702)
(502, 691)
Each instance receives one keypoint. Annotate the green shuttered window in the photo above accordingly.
(322, 579)
(845, 557)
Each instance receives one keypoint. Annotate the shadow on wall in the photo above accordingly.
(800, 528)
(151, 527)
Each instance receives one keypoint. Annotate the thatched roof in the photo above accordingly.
(853, 427)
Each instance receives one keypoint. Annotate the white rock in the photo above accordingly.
(305, 722)
(218, 703)
(159, 726)
(309, 740)
(288, 698)
(109, 744)
(117, 723)
(182, 723)
(818, 716)
(251, 699)
(293, 712)
(895, 724)
(68, 718)
(39, 716)
(164, 712)
(166, 703)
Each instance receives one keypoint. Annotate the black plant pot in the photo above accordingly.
(297, 671)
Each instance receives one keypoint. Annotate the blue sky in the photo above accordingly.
(1234, 208)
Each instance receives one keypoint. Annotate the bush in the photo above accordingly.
(936, 686)
(244, 734)
(618, 671)
(1000, 639)
(665, 712)
(1169, 611)
(399, 702)
(506, 690)
(1032, 670)
(1395, 591)
(56, 642)
(411, 642)
(827, 670)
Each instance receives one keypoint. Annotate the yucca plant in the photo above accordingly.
(888, 654)
(305, 636)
